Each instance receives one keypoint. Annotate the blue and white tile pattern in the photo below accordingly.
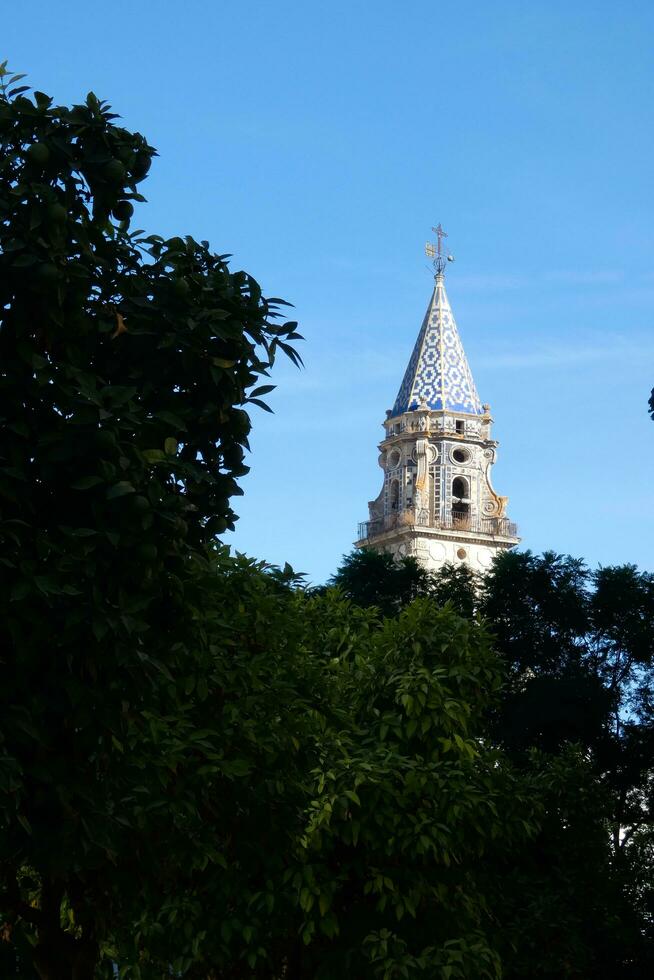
(438, 370)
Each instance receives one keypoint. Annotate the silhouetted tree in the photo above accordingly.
(578, 648)
(125, 365)
(372, 578)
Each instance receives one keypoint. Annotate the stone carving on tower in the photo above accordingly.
(437, 502)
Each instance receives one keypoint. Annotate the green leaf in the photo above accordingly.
(262, 390)
(256, 401)
(120, 489)
(87, 482)
(20, 590)
(153, 455)
(24, 822)
(171, 419)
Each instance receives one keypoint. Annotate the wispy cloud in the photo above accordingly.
(550, 355)
(370, 366)
(564, 277)
(587, 277)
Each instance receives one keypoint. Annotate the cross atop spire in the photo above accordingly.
(435, 252)
(438, 372)
(440, 235)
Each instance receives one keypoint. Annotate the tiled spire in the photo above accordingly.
(438, 373)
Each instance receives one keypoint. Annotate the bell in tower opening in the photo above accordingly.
(437, 502)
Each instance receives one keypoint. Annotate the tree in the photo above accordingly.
(563, 906)
(408, 804)
(372, 578)
(126, 364)
(578, 648)
(351, 804)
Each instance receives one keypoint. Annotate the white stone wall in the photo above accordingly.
(433, 553)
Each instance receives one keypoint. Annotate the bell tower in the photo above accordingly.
(437, 501)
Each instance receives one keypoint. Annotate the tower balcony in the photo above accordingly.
(436, 428)
(499, 527)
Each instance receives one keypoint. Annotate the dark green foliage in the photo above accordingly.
(122, 434)
(580, 651)
(318, 803)
(539, 610)
(578, 648)
(458, 585)
(351, 811)
(578, 645)
(567, 907)
(371, 578)
(408, 804)
(549, 711)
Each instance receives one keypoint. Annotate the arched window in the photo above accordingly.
(460, 501)
(459, 488)
(395, 494)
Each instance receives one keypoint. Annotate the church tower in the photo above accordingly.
(437, 502)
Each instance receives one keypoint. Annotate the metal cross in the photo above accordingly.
(435, 252)
(441, 235)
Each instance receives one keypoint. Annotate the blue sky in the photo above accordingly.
(319, 142)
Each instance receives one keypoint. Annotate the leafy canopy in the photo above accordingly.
(578, 646)
(127, 363)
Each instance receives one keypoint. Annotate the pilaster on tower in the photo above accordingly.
(437, 501)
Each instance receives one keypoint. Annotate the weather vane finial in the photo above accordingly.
(435, 252)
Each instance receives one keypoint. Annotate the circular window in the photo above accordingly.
(460, 455)
(394, 458)
(461, 553)
(432, 454)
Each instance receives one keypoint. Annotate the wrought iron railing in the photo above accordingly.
(436, 428)
(497, 526)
